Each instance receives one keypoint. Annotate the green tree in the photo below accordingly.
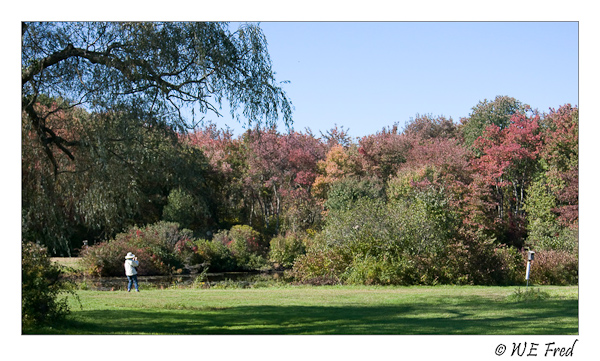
(544, 230)
(560, 161)
(497, 112)
(344, 193)
(227, 163)
(552, 203)
(186, 209)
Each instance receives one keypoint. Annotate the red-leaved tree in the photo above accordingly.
(505, 169)
(383, 153)
(281, 169)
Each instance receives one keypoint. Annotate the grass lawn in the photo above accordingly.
(444, 310)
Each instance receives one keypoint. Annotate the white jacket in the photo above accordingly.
(130, 266)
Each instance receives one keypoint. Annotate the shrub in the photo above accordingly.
(510, 262)
(370, 270)
(486, 262)
(395, 243)
(415, 238)
(320, 265)
(107, 258)
(552, 267)
(246, 239)
(378, 243)
(186, 251)
(367, 228)
(154, 245)
(432, 269)
(344, 193)
(44, 292)
(425, 223)
(214, 255)
(245, 245)
(450, 266)
(554, 237)
(284, 250)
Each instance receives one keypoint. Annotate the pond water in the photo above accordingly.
(153, 282)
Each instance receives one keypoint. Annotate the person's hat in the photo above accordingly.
(129, 255)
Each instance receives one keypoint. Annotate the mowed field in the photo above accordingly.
(338, 310)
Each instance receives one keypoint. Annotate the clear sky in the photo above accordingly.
(365, 76)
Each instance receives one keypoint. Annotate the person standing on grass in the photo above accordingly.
(131, 263)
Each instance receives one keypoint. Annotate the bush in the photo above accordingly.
(344, 193)
(367, 228)
(370, 270)
(510, 261)
(245, 245)
(214, 255)
(186, 250)
(107, 258)
(485, 262)
(553, 268)
(158, 248)
(374, 243)
(284, 250)
(452, 265)
(554, 237)
(402, 242)
(320, 265)
(44, 292)
(405, 242)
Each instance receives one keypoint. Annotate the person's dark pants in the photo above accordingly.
(133, 279)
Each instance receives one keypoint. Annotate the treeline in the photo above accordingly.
(433, 202)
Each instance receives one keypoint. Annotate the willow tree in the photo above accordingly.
(153, 70)
(96, 94)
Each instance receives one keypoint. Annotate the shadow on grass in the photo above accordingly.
(467, 317)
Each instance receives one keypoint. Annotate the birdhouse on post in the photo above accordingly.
(530, 258)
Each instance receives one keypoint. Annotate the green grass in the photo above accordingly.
(446, 310)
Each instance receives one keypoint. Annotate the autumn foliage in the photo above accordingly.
(418, 205)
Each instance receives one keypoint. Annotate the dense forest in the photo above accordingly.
(122, 168)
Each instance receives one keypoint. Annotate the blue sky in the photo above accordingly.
(365, 76)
